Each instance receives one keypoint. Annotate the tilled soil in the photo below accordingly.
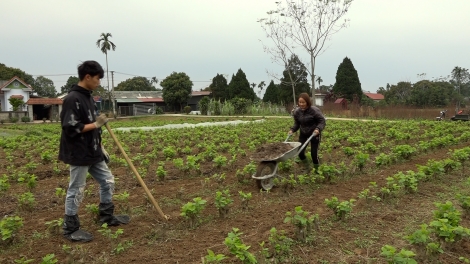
(270, 151)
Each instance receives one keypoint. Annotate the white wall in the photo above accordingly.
(6, 106)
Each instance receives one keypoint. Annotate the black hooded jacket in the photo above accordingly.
(76, 148)
(309, 119)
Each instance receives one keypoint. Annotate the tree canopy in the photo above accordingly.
(347, 81)
(70, 81)
(219, 87)
(294, 81)
(240, 87)
(6, 73)
(177, 89)
(272, 93)
(136, 84)
(44, 87)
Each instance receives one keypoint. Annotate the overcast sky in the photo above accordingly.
(387, 40)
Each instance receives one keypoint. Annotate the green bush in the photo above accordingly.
(25, 119)
(187, 109)
(158, 111)
(13, 119)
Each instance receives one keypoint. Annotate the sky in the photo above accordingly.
(388, 41)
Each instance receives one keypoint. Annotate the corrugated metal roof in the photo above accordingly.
(128, 100)
(375, 96)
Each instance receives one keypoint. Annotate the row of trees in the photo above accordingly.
(452, 90)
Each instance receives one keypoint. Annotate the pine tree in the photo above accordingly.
(347, 81)
(240, 87)
(272, 93)
(298, 77)
(219, 87)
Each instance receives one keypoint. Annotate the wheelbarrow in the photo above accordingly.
(267, 169)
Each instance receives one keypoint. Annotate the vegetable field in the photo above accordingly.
(386, 192)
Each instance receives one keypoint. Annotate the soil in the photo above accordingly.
(358, 239)
(270, 151)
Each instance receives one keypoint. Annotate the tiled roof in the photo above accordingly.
(19, 96)
(198, 93)
(375, 96)
(6, 83)
(44, 101)
(339, 100)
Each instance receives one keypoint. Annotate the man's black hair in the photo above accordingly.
(92, 68)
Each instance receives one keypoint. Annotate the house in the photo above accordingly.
(375, 96)
(319, 97)
(44, 108)
(342, 102)
(14, 88)
(143, 102)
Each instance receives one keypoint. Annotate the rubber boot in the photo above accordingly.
(316, 166)
(72, 230)
(107, 216)
(307, 166)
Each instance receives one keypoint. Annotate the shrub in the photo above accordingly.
(13, 119)
(25, 119)
(187, 109)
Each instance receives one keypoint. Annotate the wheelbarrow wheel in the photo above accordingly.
(265, 168)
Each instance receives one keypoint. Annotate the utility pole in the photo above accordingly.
(112, 93)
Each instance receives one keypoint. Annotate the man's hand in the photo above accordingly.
(105, 154)
(101, 120)
(290, 132)
(316, 131)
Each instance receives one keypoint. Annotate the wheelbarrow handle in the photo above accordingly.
(307, 141)
(288, 136)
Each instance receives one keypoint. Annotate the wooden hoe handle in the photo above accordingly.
(137, 175)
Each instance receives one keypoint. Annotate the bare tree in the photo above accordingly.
(282, 50)
(311, 23)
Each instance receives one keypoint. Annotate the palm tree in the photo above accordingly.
(105, 44)
(319, 80)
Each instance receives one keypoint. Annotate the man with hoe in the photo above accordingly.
(82, 149)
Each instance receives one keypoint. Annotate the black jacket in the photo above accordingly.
(308, 120)
(76, 148)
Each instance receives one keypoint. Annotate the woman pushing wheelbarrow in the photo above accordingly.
(310, 120)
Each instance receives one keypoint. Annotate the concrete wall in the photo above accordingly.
(6, 115)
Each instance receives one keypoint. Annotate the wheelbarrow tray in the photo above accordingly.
(289, 154)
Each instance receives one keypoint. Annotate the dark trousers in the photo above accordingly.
(314, 144)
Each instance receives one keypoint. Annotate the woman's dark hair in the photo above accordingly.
(306, 98)
(92, 68)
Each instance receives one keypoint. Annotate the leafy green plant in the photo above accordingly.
(360, 160)
(49, 259)
(464, 201)
(404, 151)
(304, 222)
(245, 197)
(113, 237)
(4, 184)
(9, 227)
(161, 173)
(327, 172)
(192, 211)
(94, 211)
(211, 257)
(220, 161)
(236, 247)
(24, 260)
(123, 198)
(60, 193)
(54, 226)
(340, 209)
(393, 257)
(222, 202)
(26, 201)
(280, 246)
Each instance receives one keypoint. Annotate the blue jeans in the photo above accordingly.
(75, 193)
